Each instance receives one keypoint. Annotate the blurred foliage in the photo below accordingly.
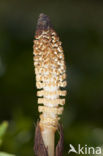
(80, 27)
(5, 154)
(3, 128)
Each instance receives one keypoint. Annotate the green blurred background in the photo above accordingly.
(80, 27)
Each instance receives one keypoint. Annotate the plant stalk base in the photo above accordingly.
(39, 147)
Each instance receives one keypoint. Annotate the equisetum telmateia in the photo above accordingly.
(50, 73)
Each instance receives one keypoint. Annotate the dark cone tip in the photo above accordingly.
(43, 22)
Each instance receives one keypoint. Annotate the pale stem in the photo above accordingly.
(48, 138)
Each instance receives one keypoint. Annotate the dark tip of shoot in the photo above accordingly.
(43, 22)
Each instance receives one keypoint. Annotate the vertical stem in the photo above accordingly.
(50, 76)
(48, 138)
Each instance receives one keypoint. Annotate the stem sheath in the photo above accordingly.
(48, 136)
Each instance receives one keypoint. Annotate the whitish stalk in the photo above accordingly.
(50, 78)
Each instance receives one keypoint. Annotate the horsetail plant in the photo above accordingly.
(50, 73)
